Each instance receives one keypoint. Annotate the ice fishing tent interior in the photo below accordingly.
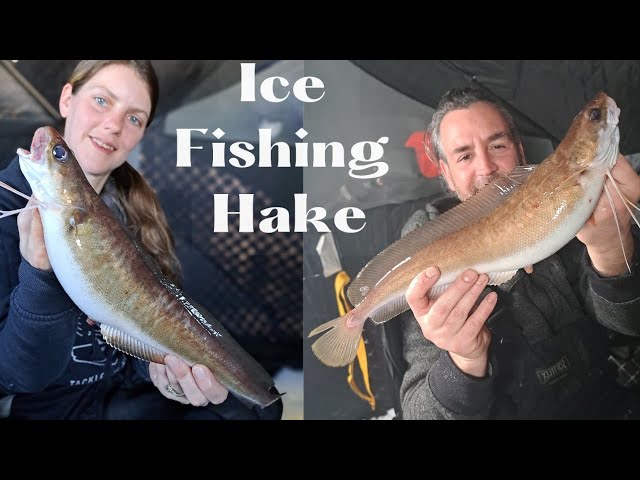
(368, 99)
(251, 282)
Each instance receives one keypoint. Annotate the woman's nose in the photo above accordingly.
(113, 123)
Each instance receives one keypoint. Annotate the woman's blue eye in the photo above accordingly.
(60, 153)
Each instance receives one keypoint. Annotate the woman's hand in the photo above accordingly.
(32, 246)
(177, 381)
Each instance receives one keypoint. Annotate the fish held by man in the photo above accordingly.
(513, 222)
(109, 277)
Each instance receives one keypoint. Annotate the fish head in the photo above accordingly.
(51, 169)
(594, 136)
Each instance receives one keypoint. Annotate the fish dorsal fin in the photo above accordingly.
(456, 218)
(129, 345)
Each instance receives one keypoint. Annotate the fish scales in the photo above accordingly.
(519, 225)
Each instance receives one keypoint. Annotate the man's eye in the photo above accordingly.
(100, 101)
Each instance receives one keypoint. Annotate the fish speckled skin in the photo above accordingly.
(111, 280)
(529, 224)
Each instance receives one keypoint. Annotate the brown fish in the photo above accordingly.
(110, 278)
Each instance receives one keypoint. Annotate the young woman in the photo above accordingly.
(54, 363)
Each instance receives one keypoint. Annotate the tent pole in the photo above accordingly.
(10, 67)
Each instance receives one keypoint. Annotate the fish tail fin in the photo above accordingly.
(338, 346)
(273, 396)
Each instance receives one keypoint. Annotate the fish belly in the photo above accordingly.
(564, 227)
(77, 284)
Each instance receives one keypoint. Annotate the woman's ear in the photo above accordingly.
(65, 100)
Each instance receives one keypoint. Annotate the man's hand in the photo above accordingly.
(600, 233)
(196, 385)
(447, 321)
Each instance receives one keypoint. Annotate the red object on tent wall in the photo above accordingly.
(421, 142)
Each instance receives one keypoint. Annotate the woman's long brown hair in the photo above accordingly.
(144, 215)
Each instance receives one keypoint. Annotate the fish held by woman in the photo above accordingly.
(111, 279)
(514, 222)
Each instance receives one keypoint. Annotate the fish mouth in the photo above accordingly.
(609, 137)
(41, 139)
(29, 165)
(23, 153)
(613, 112)
(34, 159)
(613, 117)
(28, 160)
(32, 162)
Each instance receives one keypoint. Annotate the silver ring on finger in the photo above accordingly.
(172, 391)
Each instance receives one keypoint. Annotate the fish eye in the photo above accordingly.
(594, 114)
(60, 153)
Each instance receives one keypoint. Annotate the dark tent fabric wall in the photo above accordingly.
(543, 95)
(397, 98)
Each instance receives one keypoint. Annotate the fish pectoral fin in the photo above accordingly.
(78, 216)
(131, 346)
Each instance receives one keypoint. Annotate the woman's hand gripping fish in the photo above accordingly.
(116, 284)
(512, 223)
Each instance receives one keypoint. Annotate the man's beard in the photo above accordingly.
(482, 182)
(479, 184)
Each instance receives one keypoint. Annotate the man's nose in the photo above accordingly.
(485, 165)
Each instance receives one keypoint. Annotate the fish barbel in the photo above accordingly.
(110, 278)
(515, 221)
